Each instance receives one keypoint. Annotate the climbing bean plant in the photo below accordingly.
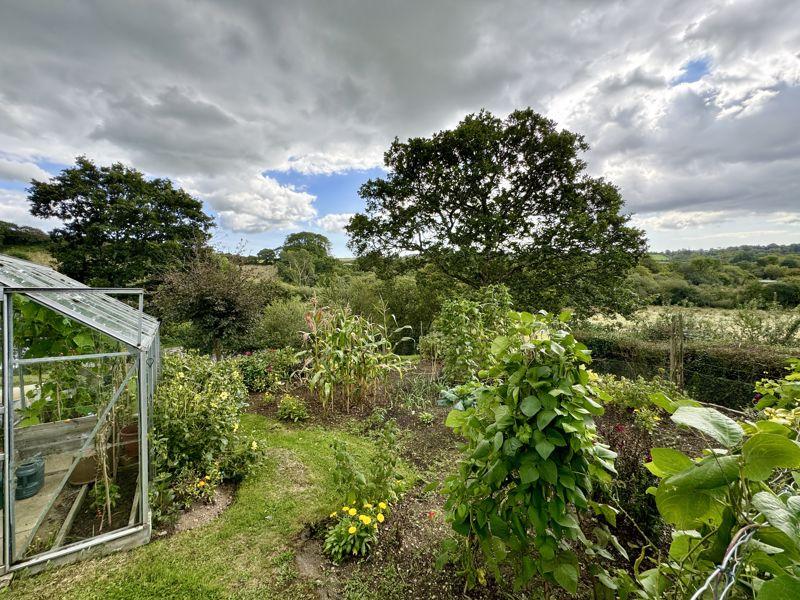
(736, 507)
(531, 458)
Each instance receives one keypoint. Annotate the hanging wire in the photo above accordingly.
(726, 572)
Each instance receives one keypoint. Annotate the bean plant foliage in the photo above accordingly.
(531, 459)
(745, 487)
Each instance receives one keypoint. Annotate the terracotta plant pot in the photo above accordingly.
(129, 440)
(85, 471)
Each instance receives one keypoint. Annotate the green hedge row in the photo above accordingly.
(712, 373)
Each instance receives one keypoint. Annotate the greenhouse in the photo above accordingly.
(79, 368)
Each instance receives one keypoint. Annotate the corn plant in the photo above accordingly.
(346, 356)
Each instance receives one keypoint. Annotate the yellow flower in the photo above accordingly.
(333, 514)
(375, 526)
(352, 512)
(352, 530)
(254, 446)
(382, 505)
(235, 427)
(364, 519)
(201, 483)
(367, 505)
(345, 508)
(380, 517)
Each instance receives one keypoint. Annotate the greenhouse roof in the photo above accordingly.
(99, 311)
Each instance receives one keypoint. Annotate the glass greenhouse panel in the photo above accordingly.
(79, 373)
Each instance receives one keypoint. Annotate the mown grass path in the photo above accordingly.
(245, 553)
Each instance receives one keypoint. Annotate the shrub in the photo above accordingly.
(531, 458)
(216, 296)
(346, 356)
(635, 396)
(196, 420)
(464, 329)
(267, 370)
(282, 324)
(292, 408)
(355, 531)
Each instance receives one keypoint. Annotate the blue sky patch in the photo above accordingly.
(694, 70)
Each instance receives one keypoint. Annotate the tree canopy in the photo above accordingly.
(315, 243)
(503, 201)
(119, 227)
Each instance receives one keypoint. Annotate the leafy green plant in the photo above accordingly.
(382, 477)
(355, 531)
(464, 329)
(196, 427)
(531, 456)
(292, 408)
(740, 490)
(783, 393)
(346, 356)
(425, 418)
(267, 370)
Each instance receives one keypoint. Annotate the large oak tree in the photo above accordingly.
(503, 201)
(119, 228)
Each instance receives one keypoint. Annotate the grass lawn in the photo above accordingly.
(245, 553)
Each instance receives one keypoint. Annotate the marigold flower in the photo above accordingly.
(380, 517)
(352, 512)
(345, 508)
(365, 519)
(201, 483)
(352, 530)
(382, 505)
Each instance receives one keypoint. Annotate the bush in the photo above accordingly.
(463, 331)
(267, 370)
(634, 395)
(531, 458)
(292, 408)
(282, 324)
(195, 437)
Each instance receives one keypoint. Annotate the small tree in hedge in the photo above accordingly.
(531, 458)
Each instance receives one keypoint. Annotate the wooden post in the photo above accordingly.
(676, 350)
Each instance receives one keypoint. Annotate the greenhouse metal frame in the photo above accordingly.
(97, 309)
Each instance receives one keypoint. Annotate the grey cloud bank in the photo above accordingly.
(214, 94)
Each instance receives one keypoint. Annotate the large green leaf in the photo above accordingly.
(567, 577)
(776, 513)
(780, 588)
(668, 461)
(765, 452)
(714, 472)
(687, 510)
(711, 422)
(530, 406)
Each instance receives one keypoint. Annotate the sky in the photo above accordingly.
(274, 113)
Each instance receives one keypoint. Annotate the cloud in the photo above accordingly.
(334, 222)
(21, 171)
(254, 204)
(216, 95)
(14, 208)
(680, 219)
